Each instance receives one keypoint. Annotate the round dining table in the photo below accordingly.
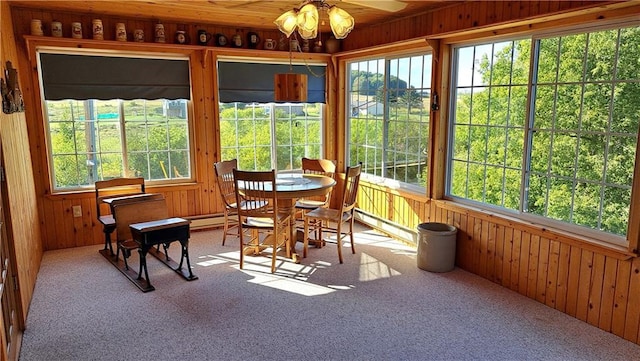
(292, 186)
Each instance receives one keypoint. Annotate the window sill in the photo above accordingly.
(554, 234)
(415, 192)
(83, 193)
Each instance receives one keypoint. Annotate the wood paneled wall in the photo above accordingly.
(596, 287)
(22, 20)
(23, 212)
(471, 17)
(62, 230)
(593, 284)
(198, 198)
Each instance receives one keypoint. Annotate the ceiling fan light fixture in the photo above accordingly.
(341, 22)
(306, 20)
(287, 22)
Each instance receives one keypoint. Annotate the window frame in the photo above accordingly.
(273, 146)
(543, 221)
(121, 121)
(291, 62)
(387, 58)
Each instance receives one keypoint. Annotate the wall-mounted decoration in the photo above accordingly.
(11, 96)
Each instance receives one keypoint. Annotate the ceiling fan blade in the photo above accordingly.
(237, 4)
(385, 5)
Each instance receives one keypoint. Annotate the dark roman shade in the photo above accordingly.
(67, 76)
(254, 82)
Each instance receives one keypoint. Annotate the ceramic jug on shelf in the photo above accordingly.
(252, 40)
(269, 44)
(36, 27)
(76, 30)
(203, 37)
(159, 33)
(236, 41)
(56, 29)
(97, 30)
(181, 37)
(332, 45)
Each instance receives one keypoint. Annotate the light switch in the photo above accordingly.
(77, 211)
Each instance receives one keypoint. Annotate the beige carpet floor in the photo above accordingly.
(376, 306)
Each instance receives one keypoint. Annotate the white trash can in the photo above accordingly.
(436, 247)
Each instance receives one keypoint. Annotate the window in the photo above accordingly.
(261, 134)
(92, 140)
(567, 156)
(264, 136)
(115, 116)
(488, 127)
(388, 118)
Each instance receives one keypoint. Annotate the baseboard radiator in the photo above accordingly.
(393, 230)
(210, 221)
(206, 221)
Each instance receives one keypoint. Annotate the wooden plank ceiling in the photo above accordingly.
(256, 14)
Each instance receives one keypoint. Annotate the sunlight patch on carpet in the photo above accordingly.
(376, 239)
(288, 284)
(209, 260)
(372, 269)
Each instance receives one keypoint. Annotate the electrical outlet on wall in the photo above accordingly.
(77, 211)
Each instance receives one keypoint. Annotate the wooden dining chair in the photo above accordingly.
(331, 218)
(226, 186)
(324, 167)
(262, 225)
(315, 166)
(111, 188)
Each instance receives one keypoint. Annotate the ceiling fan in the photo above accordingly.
(384, 5)
(306, 19)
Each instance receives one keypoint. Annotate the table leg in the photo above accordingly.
(288, 205)
(252, 248)
(143, 264)
(107, 242)
(185, 255)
